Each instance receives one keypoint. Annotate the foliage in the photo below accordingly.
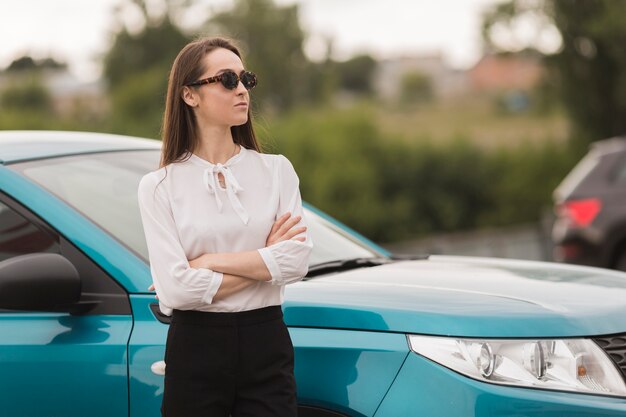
(523, 180)
(392, 190)
(139, 103)
(416, 87)
(28, 64)
(155, 47)
(590, 66)
(392, 173)
(272, 46)
(322, 84)
(136, 68)
(334, 153)
(29, 95)
(356, 74)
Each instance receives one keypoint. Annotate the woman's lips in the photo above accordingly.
(242, 104)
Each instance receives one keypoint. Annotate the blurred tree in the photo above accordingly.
(394, 190)
(322, 82)
(591, 63)
(29, 95)
(138, 103)
(137, 66)
(355, 74)
(52, 63)
(27, 101)
(155, 46)
(27, 63)
(272, 43)
(416, 87)
(337, 156)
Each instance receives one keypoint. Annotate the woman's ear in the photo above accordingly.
(189, 96)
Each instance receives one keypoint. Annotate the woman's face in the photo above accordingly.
(213, 103)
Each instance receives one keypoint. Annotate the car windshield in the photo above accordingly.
(103, 187)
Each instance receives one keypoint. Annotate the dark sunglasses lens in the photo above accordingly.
(248, 79)
(229, 80)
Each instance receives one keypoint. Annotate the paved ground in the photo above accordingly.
(521, 242)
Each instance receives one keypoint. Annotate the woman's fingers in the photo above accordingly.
(283, 229)
(293, 232)
(288, 225)
(151, 288)
(279, 222)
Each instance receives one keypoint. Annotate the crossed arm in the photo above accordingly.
(190, 283)
(243, 269)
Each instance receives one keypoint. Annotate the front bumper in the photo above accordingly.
(425, 388)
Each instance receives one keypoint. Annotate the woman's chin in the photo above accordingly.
(240, 121)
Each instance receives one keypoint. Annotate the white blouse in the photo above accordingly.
(189, 213)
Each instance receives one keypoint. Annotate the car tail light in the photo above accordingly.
(580, 212)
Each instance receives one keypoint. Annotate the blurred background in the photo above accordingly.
(439, 127)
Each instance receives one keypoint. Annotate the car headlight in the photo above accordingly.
(567, 364)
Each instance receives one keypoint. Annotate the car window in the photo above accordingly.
(22, 233)
(18, 236)
(103, 187)
(620, 173)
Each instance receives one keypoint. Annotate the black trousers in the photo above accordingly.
(229, 364)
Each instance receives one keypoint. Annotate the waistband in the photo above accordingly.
(242, 318)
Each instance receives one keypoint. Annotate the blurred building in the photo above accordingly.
(445, 81)
(71, 95)
(507, 72)
(501, 73)
(68, 94)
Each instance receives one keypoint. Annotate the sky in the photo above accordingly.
(80, 31)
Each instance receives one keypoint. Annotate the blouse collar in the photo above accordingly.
(230, 182)
(204, 163)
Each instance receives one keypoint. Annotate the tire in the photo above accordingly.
(620, 264)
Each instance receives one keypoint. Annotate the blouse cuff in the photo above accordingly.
(214, 285)
(272, 265)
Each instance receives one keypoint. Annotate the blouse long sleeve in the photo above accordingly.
(288, 261)
(178, 285)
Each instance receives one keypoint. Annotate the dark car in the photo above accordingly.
(590, 228)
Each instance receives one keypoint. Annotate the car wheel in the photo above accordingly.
(620, 264)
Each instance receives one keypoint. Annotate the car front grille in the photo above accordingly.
(615, 347)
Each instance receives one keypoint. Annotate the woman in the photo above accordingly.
(225, 232)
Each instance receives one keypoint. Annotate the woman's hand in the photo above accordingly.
(202, 261)
(282, 229)
(151, 288)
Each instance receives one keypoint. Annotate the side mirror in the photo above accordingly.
(39, 282)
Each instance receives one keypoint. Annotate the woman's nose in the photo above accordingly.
(240, 88)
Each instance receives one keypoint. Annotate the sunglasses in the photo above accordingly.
(229, 80)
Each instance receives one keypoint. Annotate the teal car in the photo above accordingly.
(374, 335)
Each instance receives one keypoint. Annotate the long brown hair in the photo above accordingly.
(179, 132)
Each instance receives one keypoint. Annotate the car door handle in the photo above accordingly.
(158, 368)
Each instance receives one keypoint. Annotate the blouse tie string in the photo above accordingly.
(232, 188)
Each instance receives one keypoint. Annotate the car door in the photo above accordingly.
(55, 363)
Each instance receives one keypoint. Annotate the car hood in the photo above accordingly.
(468, 297)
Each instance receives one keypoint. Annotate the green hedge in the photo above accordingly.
(391, 190)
